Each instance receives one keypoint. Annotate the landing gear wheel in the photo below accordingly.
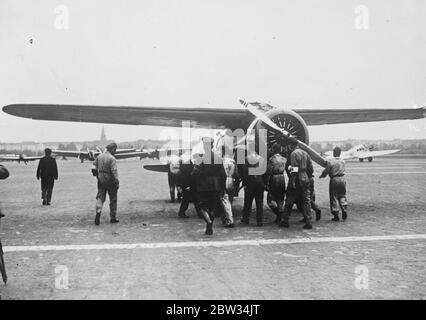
(370, 159)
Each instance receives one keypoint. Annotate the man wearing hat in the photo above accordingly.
(254, 184)
(105, 169)
(210, 178)
(276, 181)
(298, 186)
(47, 170)
(337, 189)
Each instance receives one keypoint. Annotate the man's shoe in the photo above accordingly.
(114, 220)
(209, 229)
(44, 202)
(303, 220)
(98, 218)
(1, 215)
(183, 215)
(318, 215)
(284, 224)
(229, 225)
(307, 226)
(47, 203)
(335, 218)
(344, 215)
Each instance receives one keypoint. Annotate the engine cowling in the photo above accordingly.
(289, 121)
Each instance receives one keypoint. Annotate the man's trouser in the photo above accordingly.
(186, 199)
(188, 195)
(46, 194)
(302, 190)
(337, 190)
(253, 192)
(173, 180)
(101, 197)
(208, 202)
(227, 209)
(47, 189)
(314, 206)
(276, 193)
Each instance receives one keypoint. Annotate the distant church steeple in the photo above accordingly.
(103, 135)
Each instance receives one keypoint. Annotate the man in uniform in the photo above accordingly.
(210, 176)
(337, 189)
(105, 169)
(47, 170)
(298, 185)
(276, 181)
(254, 186)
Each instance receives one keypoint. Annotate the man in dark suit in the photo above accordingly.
(47, 170)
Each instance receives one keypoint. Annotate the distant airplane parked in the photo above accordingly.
(19, 158)
(361, 152)
(92, 154)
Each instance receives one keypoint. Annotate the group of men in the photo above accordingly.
(104, 169)
(211, 180)
(210, 183)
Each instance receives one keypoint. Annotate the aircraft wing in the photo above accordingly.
(9, 158)
(156, 167)
(231, 118)
(118, 151)
(67, 153)
(375, 153)
(19, 158)
(26, 158)
(136, 154)
(154, 116)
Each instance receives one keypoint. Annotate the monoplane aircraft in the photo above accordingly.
(361, 152)
(281, 124)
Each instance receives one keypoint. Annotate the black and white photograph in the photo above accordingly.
(214, 155)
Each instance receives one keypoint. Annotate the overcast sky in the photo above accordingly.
(295, 54)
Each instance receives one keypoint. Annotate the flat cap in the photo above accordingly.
(112, 145)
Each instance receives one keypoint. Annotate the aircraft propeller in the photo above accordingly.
(262, 117)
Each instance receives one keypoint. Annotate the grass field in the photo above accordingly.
(173, 259)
